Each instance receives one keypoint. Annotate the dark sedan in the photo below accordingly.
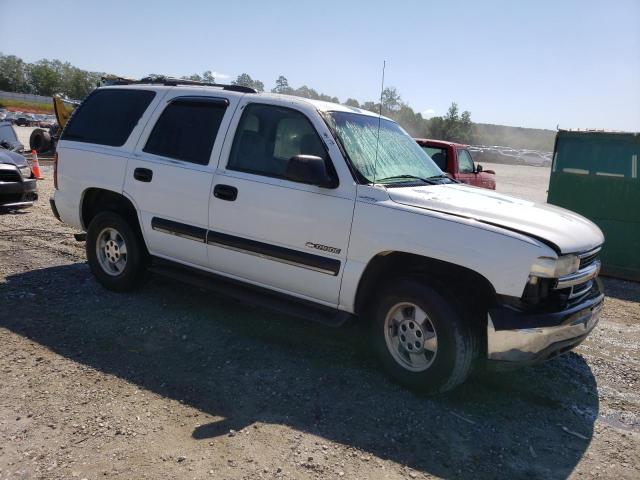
(17, 182)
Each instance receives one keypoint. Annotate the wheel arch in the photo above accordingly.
(479, 293)
(96, 200)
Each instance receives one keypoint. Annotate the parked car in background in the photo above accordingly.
(10, 117)
(17, 182)
(23, 120)
(455, 159)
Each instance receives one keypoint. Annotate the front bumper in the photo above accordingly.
(18, 194)
(516, 338)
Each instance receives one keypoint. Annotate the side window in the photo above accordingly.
(268, 136)
(187, 129)
(438, 155)
(107, 117)
(465, 163)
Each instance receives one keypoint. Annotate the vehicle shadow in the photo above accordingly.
(246, 366)
(13, 211)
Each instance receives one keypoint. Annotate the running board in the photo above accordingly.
(250, 294)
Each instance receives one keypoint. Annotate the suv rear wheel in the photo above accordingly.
(115, 252)
(423, 341)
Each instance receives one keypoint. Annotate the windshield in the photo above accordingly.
(400, 158)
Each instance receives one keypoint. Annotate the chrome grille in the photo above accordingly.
(579, 290)
(9, 176)
(588, 258)
(580, 283)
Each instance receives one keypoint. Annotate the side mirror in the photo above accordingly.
(311, 170)
(478, 168)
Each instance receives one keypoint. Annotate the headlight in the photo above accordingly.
(25, 171)
(546, 267)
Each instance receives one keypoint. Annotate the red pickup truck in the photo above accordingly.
(455, 160)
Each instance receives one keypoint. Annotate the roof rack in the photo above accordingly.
(172, 82)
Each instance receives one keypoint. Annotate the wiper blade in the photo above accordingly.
(408, 177)
(444, 176)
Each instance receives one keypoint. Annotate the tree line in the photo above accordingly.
(454, 126)
(49, 77)
(45, 77)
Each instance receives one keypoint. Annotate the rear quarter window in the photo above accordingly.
(107, 117)
(187, 130)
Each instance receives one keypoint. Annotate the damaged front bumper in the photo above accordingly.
(516, 338)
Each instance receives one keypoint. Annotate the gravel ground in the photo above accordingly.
(171, 382)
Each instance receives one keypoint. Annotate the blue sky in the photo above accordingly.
(534, 64)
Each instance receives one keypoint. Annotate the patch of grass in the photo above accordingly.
(27, 107)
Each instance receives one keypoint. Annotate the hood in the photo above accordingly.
(562, 229)
(13, 158)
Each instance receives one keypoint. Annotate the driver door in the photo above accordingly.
(267, 229)
(466, 168)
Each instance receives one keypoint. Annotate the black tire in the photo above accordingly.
(458, 343)
(136, 262)
(40, 140)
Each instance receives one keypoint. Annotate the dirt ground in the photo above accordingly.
(521, 180)
(173, 383)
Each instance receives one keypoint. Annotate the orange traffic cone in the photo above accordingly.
(35, 165)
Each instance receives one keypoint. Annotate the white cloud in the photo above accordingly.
(428, 113)
(221, 76)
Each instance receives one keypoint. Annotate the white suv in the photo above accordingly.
(327, 212)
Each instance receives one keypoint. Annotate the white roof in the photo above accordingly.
(319, 105)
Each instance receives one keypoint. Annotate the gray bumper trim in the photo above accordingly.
(531, 345)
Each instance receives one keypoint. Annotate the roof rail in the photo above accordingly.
(170, 81)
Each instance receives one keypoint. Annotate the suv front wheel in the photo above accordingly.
(423, 340)
(115, 253)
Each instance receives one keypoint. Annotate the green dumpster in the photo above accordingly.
(596, 175)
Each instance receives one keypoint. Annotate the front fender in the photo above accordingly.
(503, 257)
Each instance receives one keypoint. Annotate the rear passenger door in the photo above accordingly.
(169, 177)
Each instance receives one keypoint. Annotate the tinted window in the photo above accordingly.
(107, 117)
(438, 155)
(268, 136)
(187, 129)
(465, 163)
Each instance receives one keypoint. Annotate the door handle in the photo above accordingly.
(225, 192)
(143, 174)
